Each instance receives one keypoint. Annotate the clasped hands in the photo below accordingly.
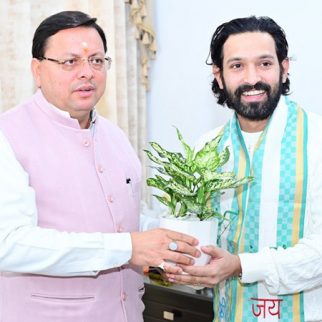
(162, 247)
(222, 265)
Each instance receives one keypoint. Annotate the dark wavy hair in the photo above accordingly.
(60, 21)
(241, 25)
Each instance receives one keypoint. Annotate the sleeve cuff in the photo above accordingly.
(118, 248)
(256, 266)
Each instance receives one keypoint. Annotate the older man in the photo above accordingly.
(69, 201)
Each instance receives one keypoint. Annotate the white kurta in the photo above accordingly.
(298, 268)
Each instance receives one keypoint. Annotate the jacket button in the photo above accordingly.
(124, 296)
(109, 198)
(100, 169)
(120, 229)
(86, 143)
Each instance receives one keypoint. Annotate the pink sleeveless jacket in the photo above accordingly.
(80, 184)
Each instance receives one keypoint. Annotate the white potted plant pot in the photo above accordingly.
(190, 183)
(205, 231)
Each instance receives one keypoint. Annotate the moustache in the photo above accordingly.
(89, 84)
(258, 86)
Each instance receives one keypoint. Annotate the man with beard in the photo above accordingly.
(268, 263)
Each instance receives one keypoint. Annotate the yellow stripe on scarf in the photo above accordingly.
(239, 234)
(298, 200)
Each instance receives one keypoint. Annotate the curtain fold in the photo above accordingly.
(131, 44)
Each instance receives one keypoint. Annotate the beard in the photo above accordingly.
(255, 111)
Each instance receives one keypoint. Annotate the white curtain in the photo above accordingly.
(131, 44)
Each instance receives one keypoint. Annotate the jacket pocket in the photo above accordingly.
(63, 298)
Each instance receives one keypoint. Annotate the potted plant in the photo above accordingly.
(190, 182)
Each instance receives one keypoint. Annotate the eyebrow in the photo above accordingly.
(78, 55)
(236, 59)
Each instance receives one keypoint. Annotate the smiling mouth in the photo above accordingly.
(253, 92)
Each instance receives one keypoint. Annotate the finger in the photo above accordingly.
(172, 269)
(202, 271)
(187, 249)
(168, 268)
(210, 250)
(185, 279)
(178, 258)
(177, 236)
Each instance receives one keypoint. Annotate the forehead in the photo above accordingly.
(72, 41)
(249, 45)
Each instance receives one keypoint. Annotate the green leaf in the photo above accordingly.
(192, 205)
(159, 183)
(175, 171)
(210, 147)
(211, 175)
(173, 158)
(191, 182)
(183, 209)
(159, 149)
(159, 169)
(226, 184)
(201, 195)
(188, 150)
(180, 189)
(209, 158)
(163, 200)
(224, 157)
(154, 158)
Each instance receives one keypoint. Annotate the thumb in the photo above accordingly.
(212, 251)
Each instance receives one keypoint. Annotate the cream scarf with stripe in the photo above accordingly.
(266, 213)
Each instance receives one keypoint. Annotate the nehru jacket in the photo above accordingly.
(67, 259)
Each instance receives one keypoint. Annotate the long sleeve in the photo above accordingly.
(286, 271)
(27, 248)
(296, 268)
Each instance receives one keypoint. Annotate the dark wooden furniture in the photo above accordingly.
(176, 303)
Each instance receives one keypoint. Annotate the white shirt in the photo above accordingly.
(298, 268)
(250, 139)
(53, 252)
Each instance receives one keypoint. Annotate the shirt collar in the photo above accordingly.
(92, 115)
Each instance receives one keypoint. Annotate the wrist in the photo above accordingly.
(238, 270)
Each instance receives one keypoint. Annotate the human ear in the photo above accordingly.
(285, 68)
(218, 75)
(35, 68)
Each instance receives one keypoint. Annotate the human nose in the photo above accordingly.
(85, 70)
(251, 75)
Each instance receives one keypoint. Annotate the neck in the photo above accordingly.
(251, 126)
(83, 118)
(84, 122)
